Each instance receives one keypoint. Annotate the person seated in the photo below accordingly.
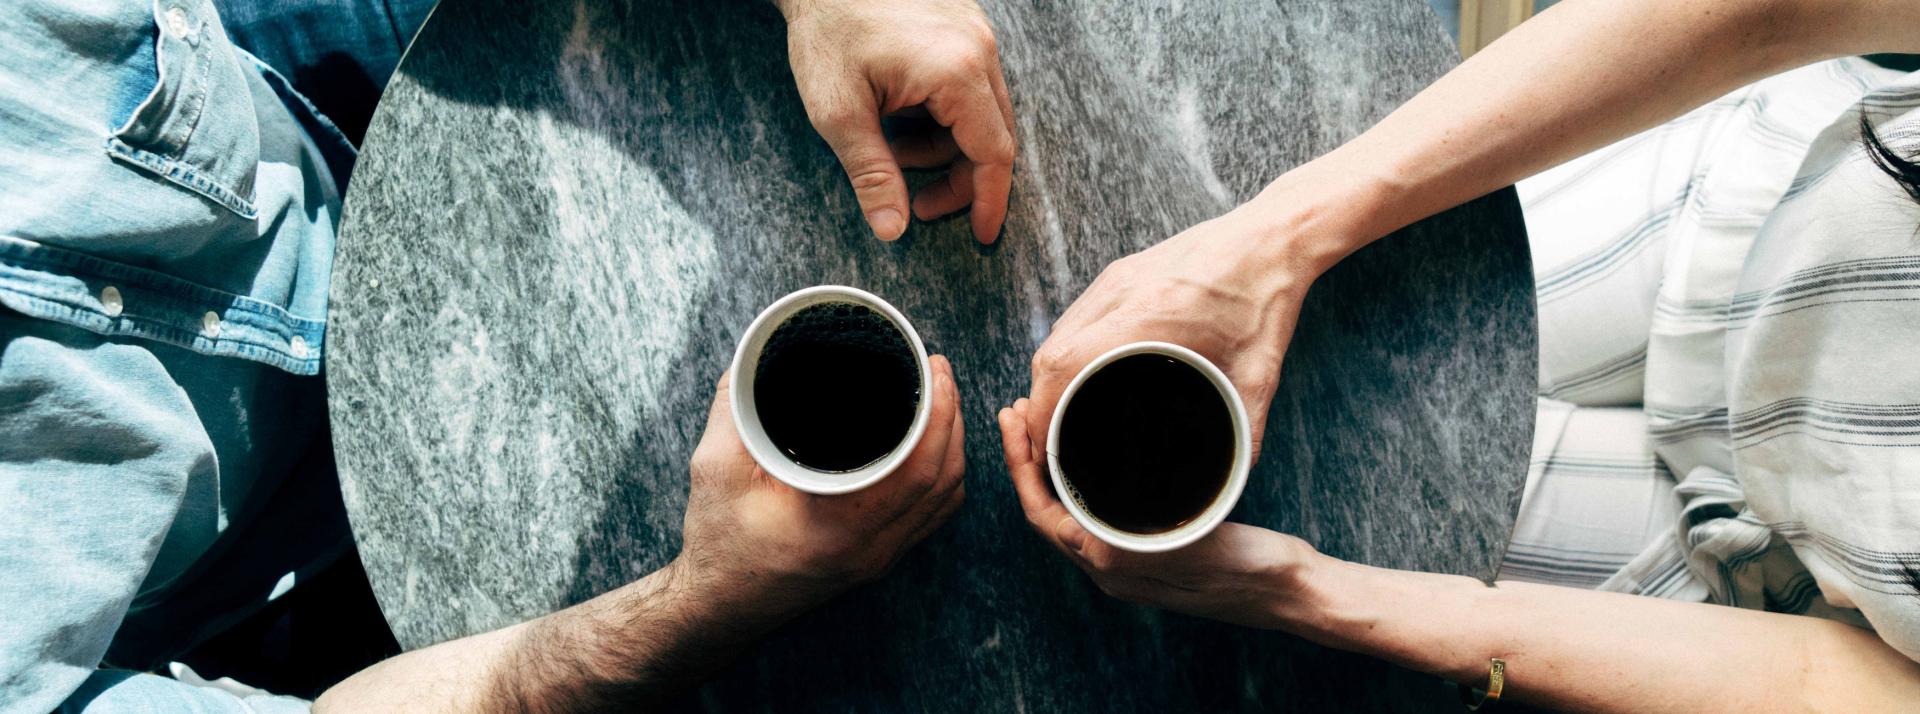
(168, 209)
(1728, 318)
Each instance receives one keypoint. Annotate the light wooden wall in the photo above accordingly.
(1482, 21)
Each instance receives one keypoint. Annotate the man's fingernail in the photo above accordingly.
(887, 223)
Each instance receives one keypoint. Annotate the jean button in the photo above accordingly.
(210, 324)
(177, 21)
(298, 345)
(110, 301)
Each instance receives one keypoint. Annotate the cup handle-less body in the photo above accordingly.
(1223, 502)
(746, 415)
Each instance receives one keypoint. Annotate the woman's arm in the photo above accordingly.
(1581, 75)
(1570, 649)
(1582, 650)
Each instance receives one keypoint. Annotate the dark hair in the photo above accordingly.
(1905, 171)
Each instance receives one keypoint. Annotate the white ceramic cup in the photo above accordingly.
(1215, 512)
(746, 414)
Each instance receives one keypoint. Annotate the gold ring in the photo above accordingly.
(1475, 697)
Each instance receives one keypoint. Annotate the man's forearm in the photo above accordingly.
(624, 649)
(1591, 651)
(1579, 76)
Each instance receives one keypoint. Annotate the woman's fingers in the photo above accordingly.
(1045, 514)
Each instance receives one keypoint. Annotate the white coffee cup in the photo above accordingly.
(1216, 511)
(746, 415)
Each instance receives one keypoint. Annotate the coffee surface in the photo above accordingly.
(837, 386)
(1147, 443)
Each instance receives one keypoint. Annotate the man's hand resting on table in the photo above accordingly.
(857, 61)
(755, 553)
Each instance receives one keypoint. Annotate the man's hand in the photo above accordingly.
(1240, 574)
(857, 61)
(756, 552)
(767, 550)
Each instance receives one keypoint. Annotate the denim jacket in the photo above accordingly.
(167, 218)
(172, 195)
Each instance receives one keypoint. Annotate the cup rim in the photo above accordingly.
(761, 448)
(1223, 502)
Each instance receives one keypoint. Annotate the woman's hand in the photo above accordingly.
(857, 61)
(1229, 288)
(764, 548)
(1239, 574)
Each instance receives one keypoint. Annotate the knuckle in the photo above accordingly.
(870, 179)
(1050, 359)
(1037, 526)
(1101, 559)
(833, 115)
(982, 32)
(963, 59)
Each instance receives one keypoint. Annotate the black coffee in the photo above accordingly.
(1147, 443)
(837, 386)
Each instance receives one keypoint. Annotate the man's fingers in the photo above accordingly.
(991, 184)
(955, 466)
(999, 81)
(851, 125)
(950, 485)
(941, 507)
(930, 456)
(948, 194)
(925, 150)
(721, 411)
(981, 131)
(720, 432)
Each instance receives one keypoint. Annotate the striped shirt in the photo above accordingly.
(1730, 330)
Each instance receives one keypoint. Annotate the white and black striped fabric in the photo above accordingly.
(1730, 358)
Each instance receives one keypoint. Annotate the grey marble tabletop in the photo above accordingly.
(566, 213)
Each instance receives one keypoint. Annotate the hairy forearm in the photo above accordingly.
(1577, 77)
(1590, 651)
(627, 649)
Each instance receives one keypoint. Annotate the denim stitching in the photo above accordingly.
(182, 174)
(161, 307)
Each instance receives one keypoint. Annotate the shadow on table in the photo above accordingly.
(983, 611)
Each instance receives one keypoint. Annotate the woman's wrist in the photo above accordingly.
(1422, 621)
(1312, 217)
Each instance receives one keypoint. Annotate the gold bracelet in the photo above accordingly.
(1475, 697)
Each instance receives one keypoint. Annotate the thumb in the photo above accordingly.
(852, 128)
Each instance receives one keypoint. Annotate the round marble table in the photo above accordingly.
(567, 212)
